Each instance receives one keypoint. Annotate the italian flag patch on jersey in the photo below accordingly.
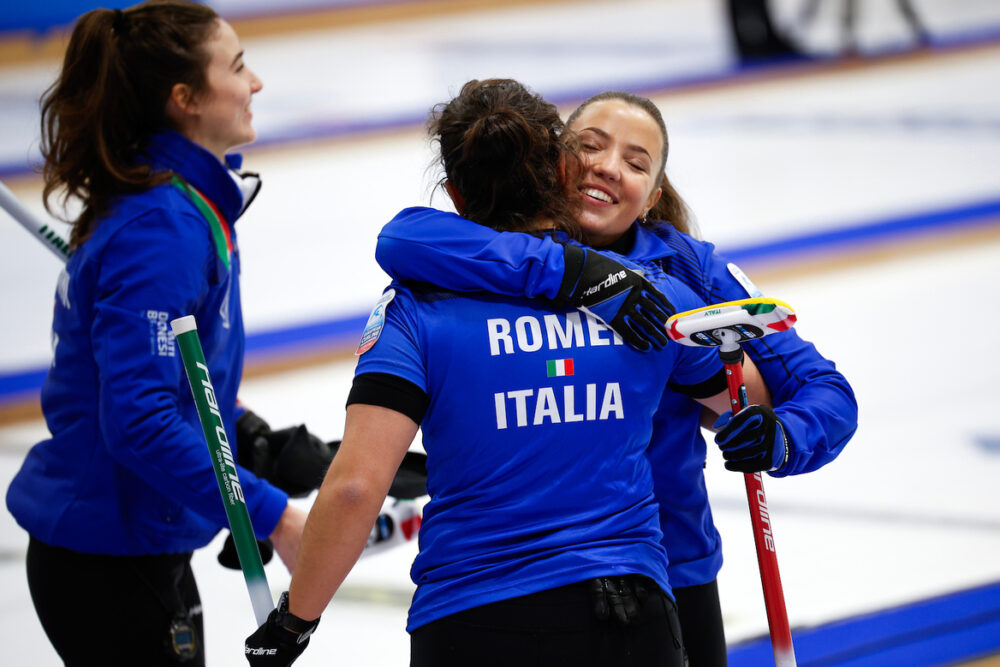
(559, 367)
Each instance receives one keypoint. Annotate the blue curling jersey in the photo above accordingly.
(535, 433)
(127, 470)
(814, 401)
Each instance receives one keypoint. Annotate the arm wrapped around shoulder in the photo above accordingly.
(617, 295)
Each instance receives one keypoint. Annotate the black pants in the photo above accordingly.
(701, 624)
(553, 627)
(117, 610)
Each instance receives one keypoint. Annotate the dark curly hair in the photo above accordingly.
(504, 149)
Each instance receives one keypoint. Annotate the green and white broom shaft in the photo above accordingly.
(731, 354)
(40, 230)
(224, 465)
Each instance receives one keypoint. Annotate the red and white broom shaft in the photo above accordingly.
(763, 534)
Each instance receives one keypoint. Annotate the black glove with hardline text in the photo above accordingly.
(281, 640)
(617, 295)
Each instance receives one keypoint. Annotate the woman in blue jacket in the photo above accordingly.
(535, 419)
(624, 193)
(137, 128)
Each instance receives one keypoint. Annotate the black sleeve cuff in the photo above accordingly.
(574, 258)
(390, 391)
(710, 387)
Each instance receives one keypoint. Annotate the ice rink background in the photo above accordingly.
(882, 175)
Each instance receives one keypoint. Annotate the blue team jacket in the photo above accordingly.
(127, 470)
(535, 433)
(814, 400)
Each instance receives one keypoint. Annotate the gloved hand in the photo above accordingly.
(752, 441)
(411, 477)
(292, 459)
(295, 461)
(617, 295)
(281, 640)
(619, 598)
(229, 557)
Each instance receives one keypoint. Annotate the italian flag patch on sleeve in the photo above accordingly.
(559, 367)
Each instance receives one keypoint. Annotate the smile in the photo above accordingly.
(599, 195)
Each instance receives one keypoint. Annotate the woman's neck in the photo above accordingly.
(623, 244)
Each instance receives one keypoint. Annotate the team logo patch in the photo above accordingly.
(742, 279)
(373, 328)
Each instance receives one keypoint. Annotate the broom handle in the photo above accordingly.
(760, 517)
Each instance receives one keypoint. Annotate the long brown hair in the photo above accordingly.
(504, 149)
(670, 207)
(111, 96)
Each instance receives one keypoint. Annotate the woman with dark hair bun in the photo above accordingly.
(540, 543)
(137, 130)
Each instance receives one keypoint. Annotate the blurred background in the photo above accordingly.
(846, 154)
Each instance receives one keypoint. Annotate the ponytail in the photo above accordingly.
(111, 96)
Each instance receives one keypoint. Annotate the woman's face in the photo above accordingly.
(222, 119)
(622, 152)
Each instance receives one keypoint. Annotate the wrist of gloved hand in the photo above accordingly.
(617, 295)
(281, 639)
(618, 599)
(754, 440)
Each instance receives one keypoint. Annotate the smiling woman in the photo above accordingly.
(219, 117)
(137, 128)
(624, 155)
(625, 146)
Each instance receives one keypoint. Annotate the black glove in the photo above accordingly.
(752, 441)
(301, 460)
(281, 640)
(617, 295)
(292, 459)
(295, 461)
(411, 477)
(230, 558)
(618, 598)
(251, 443)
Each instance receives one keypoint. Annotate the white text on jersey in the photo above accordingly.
(552, 332)
(545, 405)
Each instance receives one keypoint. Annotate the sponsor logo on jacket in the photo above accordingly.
(161, 338)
